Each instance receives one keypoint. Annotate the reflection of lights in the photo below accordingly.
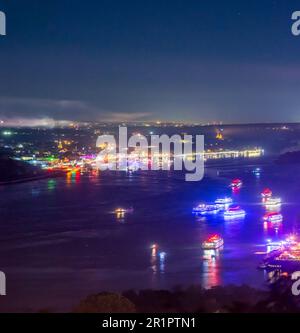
(7, 133)
(35, 192)
(69, 178)
(210, 254)
(272, 226)
(162, 255)
(236, 190)
(157, 259)
(211, 275)
(234, 217)
(51, 184)
(154, 249)
(120, 216)
(120, 213)
(257, 172)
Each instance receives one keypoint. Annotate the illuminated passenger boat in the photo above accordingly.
(223, 202)
(204, 209)
(273, 202)
(213, 243)
(273, 218)
(266, 193)
(236, 183)
(234, 212)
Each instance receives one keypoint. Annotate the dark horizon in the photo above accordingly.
(151, 123)
(232, 62)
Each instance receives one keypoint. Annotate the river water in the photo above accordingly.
(61, 241)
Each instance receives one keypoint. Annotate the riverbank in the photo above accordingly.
(195, 299)
(55, 174)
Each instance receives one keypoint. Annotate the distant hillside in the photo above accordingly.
(11, 170)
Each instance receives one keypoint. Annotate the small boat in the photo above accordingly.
(236, 184)
(273, 218)
(212, 243)
(234, 212)
(204, 209)
(266, 193)
(257, 171)
(223, 202)
(124, 210)
(270, 202)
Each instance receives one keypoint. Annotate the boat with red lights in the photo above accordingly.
(212, 243)
(273, 217)
(236, 184)
(266, 193)
(234, 212)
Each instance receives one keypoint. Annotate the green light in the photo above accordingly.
(51, 184)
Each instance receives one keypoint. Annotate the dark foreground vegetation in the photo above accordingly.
(229, 299)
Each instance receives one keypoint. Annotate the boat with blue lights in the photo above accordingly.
(206, 209)
(223, 202)
(234, 212)
(213, 243)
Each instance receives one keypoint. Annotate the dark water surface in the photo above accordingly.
(60, 240)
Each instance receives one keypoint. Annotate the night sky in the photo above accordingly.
(189, 60)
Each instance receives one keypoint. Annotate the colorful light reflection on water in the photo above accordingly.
(66, 236)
